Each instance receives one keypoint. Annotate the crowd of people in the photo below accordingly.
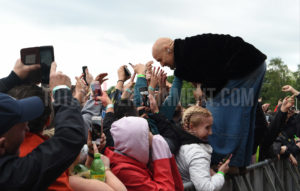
(147, 141)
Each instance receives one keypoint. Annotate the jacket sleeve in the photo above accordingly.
(108, 120)
(140, 82)
(199, 170)
(166, 129)
(49, 160)
(274, 128)
(89, 110)
(9, 82)
(169, 105)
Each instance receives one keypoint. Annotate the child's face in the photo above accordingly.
(203, 130)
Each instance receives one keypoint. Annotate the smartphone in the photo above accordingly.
(144, 93)
(96, 129)
(131, 64)
(127, 72)
(44, 56)
(96, 88)
(84, 74)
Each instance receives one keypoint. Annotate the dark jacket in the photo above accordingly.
(213, 59)
(266, 135)
(9, 82)
(49, 160)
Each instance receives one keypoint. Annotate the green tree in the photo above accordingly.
(187, 96)
(277, 75)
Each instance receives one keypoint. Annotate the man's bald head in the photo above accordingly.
(163, 52)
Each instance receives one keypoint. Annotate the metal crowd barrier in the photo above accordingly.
(273, 175)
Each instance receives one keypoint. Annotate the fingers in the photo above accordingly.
(33, 67)
(141, 108)
(53, 68)
(95, 148)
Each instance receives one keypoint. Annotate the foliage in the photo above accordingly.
(187, 96)
(277, 75)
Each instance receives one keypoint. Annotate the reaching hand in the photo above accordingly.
(153, 104)
(100, 78)
(288, 88)
(293, 160)
(140, 68)
(198, 92)
(58, 78)
(23, 70)
(104, 99)
(131, 83)
(81, 89)
(224, 167)
(89, 77)
(121, 74)
(155, 77)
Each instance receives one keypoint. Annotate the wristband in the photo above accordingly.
(151, 89)
(120, 81)
(107, 168)
(109, 106)
(59, 87)
(220, 172)
(141, 76)
(129, 91)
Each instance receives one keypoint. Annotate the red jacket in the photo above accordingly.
(30, 142)
(137, 176)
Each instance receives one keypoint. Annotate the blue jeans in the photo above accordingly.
(234, 110)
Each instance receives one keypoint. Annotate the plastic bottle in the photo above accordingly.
(97, 168)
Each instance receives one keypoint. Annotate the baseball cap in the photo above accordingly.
(14, 111)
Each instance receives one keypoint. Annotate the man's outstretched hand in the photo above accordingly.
(58, 78)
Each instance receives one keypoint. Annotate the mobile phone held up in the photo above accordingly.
(84, 74)
(127, 72)
(97, 91)
(43, 55)
(96, 129)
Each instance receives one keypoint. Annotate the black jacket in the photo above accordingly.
(266, 135)
(49, 160)
(213, 59)
(9, 82)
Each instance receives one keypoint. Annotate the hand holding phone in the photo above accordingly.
(96, 129)
(44, 56)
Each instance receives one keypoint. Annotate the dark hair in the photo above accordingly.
(24, 91)
(124, 107)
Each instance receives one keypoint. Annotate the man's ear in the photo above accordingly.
(167, 49)
(2, 146)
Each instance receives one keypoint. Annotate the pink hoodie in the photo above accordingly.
(131, 137)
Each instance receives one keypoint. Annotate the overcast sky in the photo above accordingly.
(106, 34)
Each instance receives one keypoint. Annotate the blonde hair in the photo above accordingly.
(194, 115)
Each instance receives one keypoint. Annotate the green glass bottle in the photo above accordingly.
(97, 168)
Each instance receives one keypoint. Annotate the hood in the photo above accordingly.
(131, 137)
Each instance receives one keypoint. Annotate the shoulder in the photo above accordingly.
(195, 150)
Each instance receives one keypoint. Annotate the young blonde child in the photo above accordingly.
(194, 156)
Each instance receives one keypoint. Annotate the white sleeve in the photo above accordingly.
(199, 170)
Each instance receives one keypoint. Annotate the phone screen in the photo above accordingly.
(46, 59)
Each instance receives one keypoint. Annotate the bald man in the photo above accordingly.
(231, 72)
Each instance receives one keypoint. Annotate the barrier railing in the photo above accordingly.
(275, 175)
